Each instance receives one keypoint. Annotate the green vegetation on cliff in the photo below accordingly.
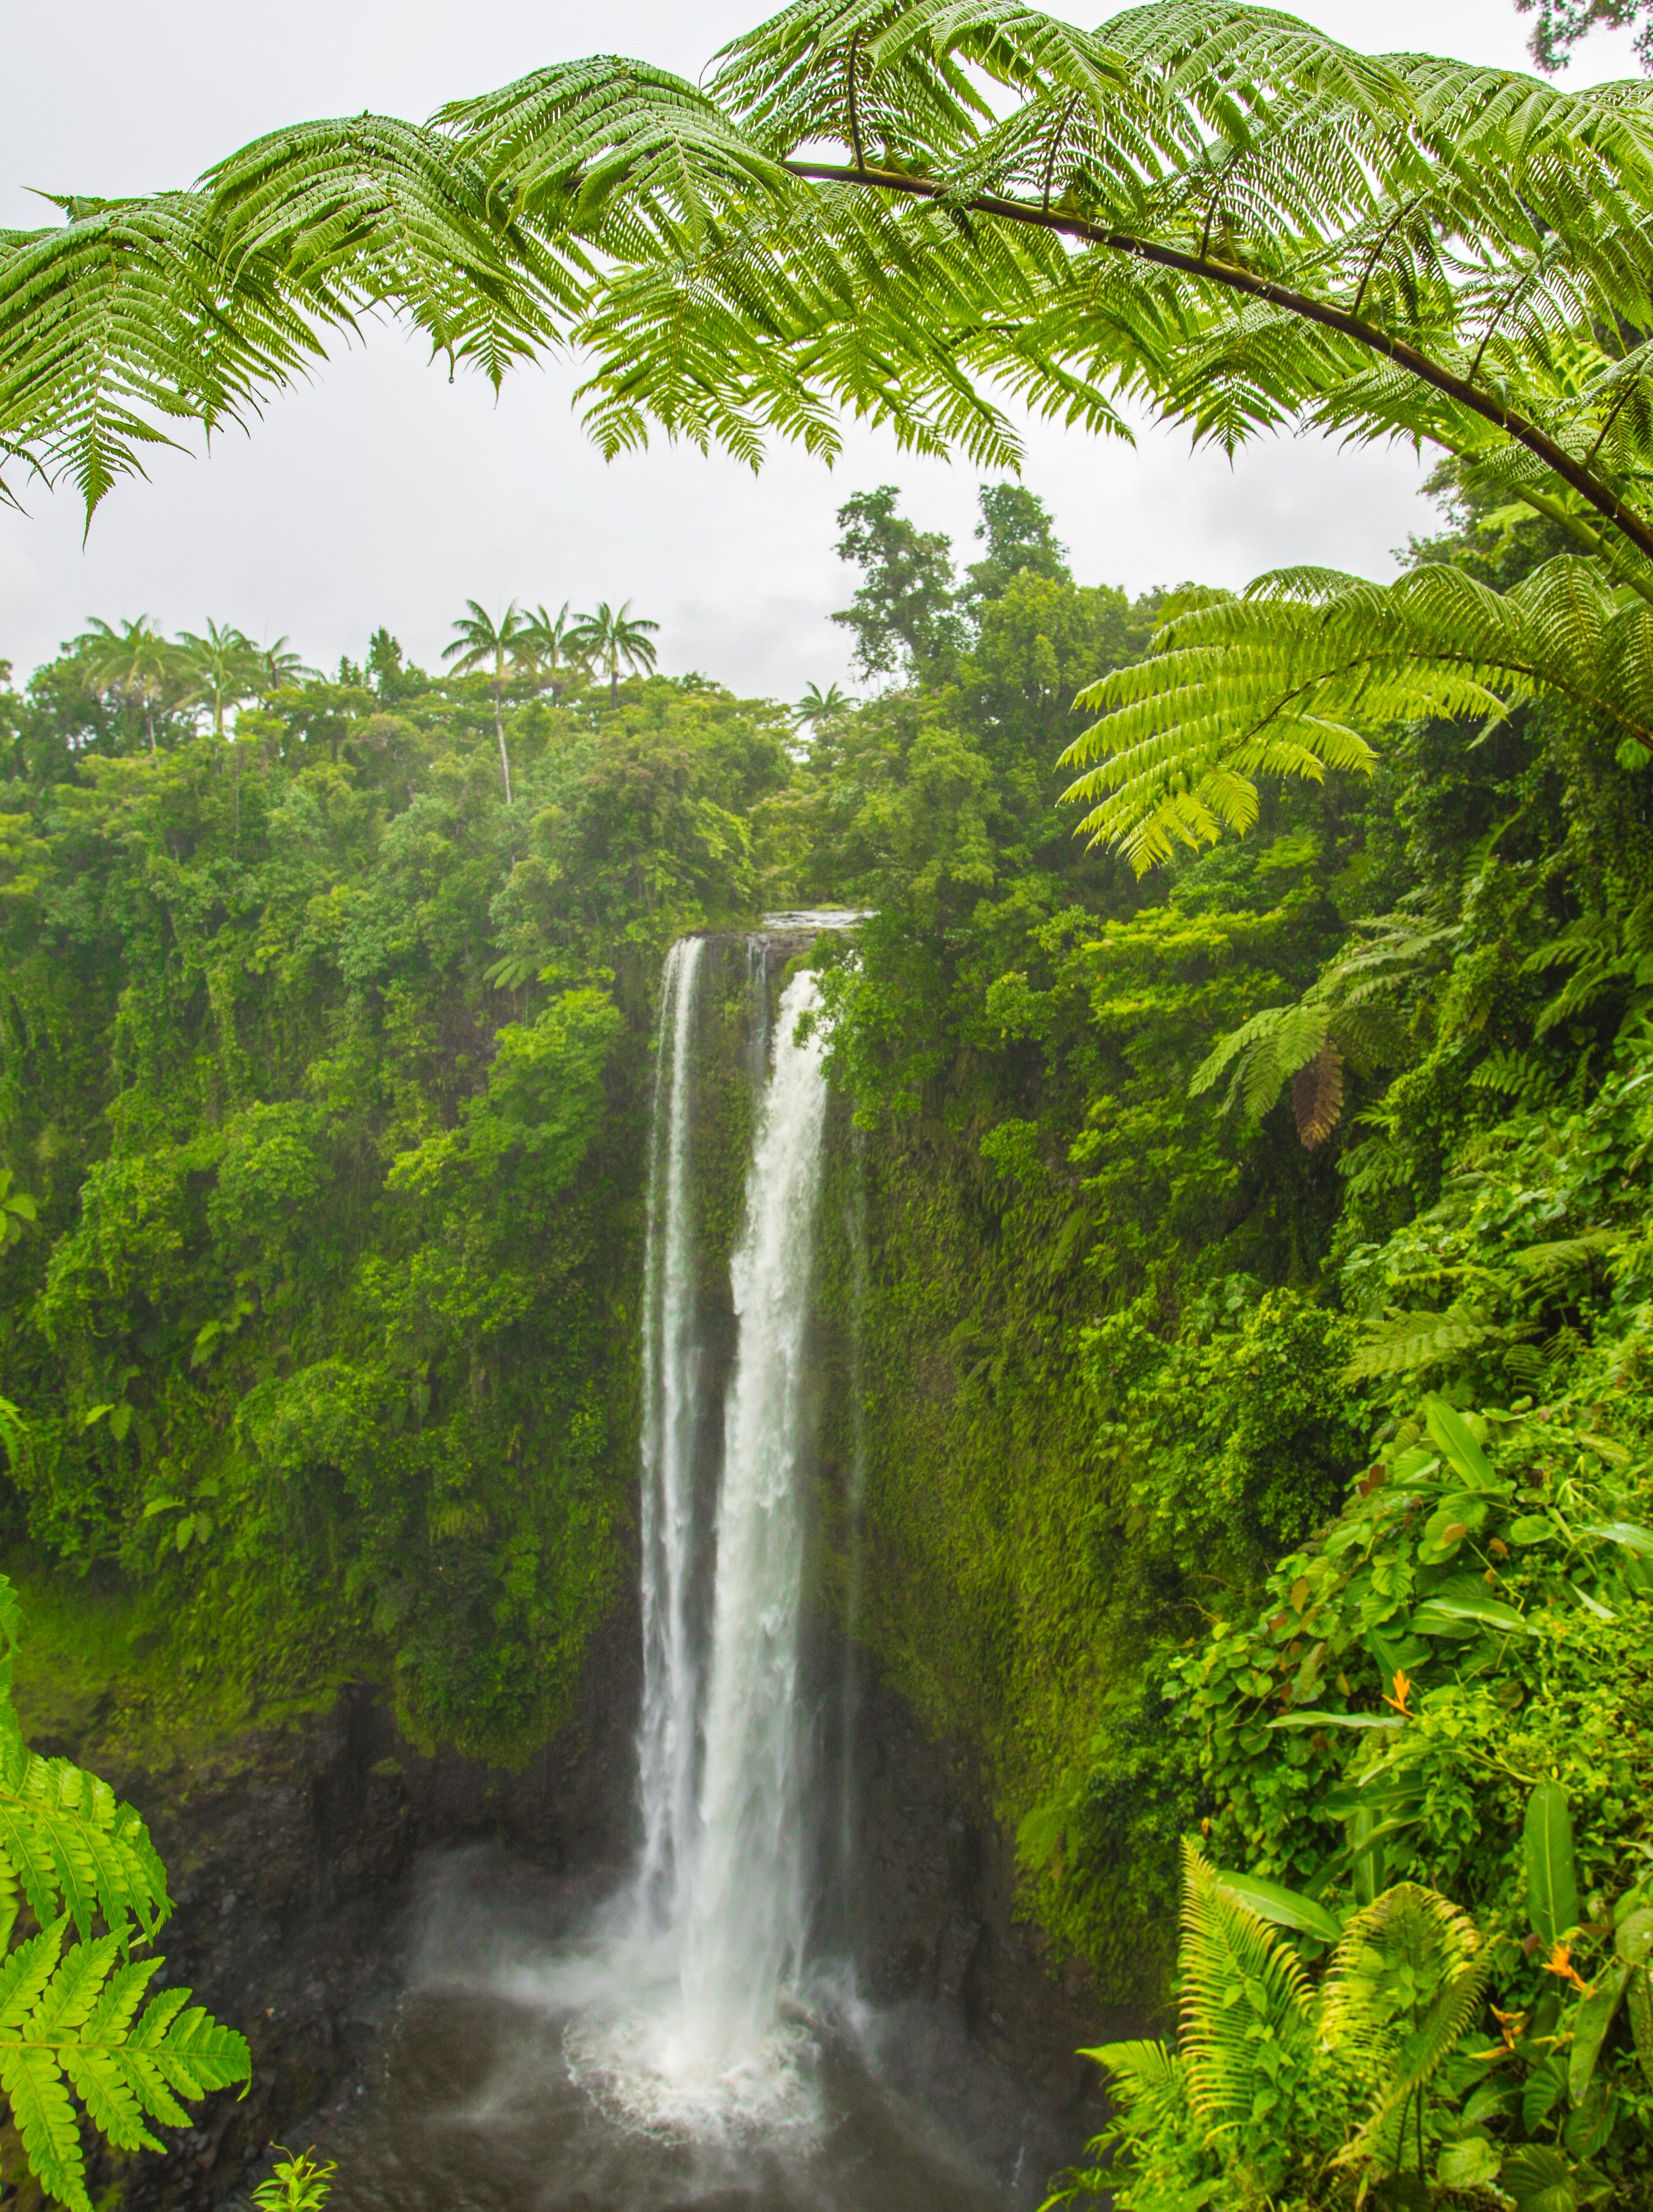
(1173, 1215)
(324, 1076)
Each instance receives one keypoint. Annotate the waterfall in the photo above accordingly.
(855, 1525)
(666, 1748)
(722, 1891)
(743, 1926)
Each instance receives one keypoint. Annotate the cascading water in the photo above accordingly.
(677, 2047)
(722, 1753)
(743, 1919)
(666, 1748)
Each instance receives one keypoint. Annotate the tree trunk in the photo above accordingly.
(614, 684)
(499, 732)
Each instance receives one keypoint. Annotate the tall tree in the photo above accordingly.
(133, 663)
(1020, 535)
(904, 614)
(220, 670)
(481, 643)
(613, 639)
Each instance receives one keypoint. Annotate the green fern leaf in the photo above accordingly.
(1245, 1997)
(33, 2085)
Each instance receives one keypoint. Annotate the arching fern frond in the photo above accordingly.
(615, 150)
(120, 322)
(1405, 1985)
(1274, 682)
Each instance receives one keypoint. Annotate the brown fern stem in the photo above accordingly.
(1515, 425)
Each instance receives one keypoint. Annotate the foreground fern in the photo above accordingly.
(907, 209)
(75, 2025)
(1277, 681)
(1279, 2093)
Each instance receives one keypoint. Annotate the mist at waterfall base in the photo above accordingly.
(695, 2039)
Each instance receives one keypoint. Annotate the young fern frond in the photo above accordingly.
(1405, 1985)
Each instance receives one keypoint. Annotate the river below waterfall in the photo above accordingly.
(484, 2098)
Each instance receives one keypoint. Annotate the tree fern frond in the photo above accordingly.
(1300, 657)
(1244, 1993)
(1405, 1985)
(1412, 1343)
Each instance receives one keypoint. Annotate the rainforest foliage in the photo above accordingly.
(1244, 1262)
(323, 1088)
(1257, 1306)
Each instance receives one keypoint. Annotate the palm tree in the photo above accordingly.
(223, 668)
(613, 638)
(480, 643)
(282, 666)
(546, 641)
(132, 662)
(817, 706)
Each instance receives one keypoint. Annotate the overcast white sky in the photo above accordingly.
(380, 493)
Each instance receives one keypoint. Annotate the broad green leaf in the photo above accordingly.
(1463, 1602)
(1541, 2091)
(1286, 1908)
(1337, 1720)
(1531, 1528)
(1626, 1532)
(1592, 2017)
(1451, 1433)
(1632, 1939)
(1538, 2178)
(1471, 2165)
(1552, 1877)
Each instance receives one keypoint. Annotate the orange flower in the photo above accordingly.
(1559, 1963)
(1510, 2025)
(1402, 1692)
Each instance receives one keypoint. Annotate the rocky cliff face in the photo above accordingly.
(293, 1852)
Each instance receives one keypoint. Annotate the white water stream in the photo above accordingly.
(743, 1913)
(666, 1748)
(721, 1896)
